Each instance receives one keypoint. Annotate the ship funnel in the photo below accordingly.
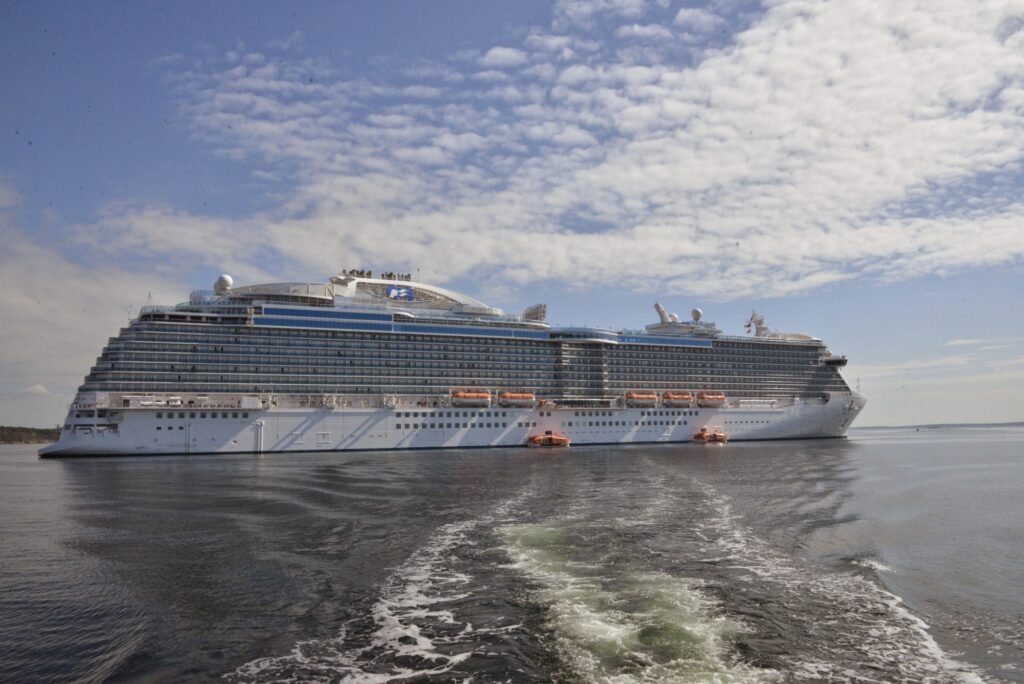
(662, 314)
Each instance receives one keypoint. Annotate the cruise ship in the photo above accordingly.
(365, 363)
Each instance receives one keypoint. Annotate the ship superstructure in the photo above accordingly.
(363, 362)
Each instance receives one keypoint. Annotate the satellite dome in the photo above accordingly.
(223, 284)
(696, 313)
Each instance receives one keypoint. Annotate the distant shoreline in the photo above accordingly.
(937, 426)
(27, 435)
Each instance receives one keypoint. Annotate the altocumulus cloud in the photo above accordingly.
(820, 142)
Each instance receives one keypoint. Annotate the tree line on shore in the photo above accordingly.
(27, 435)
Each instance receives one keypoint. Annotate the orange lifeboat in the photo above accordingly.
(710, 399)
(548, 439)
(713, 436)
(677, 399)
(470, 398)
(521, 399)
(641, 399)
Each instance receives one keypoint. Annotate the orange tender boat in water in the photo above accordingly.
(548, 439)
(714, 436)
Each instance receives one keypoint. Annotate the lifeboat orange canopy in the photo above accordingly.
(710, 399)
(678, 396)
(471, 398)
(517, 395)
(634, 398)
(641, 395)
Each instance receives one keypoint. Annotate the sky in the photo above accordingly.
(851, 170)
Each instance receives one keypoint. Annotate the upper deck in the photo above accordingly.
(357, 301)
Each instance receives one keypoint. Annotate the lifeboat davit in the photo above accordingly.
(470, 398)
(677, 399)
(641, 399)
(714, 436)
(548, 439)
(710, 399)
(522, 399)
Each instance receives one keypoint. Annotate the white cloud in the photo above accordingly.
(905, 368)
(560, 135)
(697, 20)
(432, 156)
(548, 43)
(985, 343)
(582, 12)
(965, 342)
(646, 32)
(499, 57)
(490, 75)
(827, 142)
(426, 92)
(45, 351)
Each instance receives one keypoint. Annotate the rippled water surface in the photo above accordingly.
(895, 555)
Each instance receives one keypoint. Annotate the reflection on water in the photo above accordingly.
(752, 562)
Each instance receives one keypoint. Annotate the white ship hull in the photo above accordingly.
(274, 430)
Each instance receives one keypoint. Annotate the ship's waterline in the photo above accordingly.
(364, 363)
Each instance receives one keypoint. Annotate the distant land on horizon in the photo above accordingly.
(27, 435)
(935, 426)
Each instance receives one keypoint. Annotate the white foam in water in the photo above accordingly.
(639, 627)
(873, 628)
(621, 622)
(409, 599)
(872, 564)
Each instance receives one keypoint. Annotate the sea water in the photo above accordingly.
(894, 555)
